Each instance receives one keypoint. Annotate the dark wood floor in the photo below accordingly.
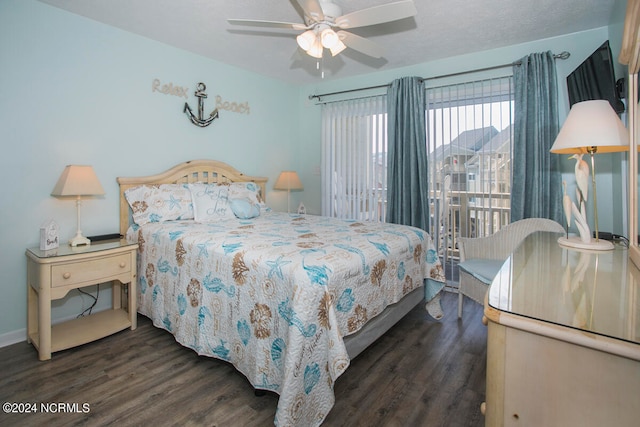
(421, 373)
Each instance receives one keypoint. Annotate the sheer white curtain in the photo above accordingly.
(354, 158)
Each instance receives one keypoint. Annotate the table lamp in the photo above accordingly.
(591, 127)
(288, 180)
(78, 181)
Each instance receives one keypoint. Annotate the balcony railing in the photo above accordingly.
(469, 214)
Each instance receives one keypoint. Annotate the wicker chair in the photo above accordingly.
(481, 258)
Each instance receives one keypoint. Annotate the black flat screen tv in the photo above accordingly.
(595, 79)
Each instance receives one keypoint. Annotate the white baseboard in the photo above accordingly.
(13, 337)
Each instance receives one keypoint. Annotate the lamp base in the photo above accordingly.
(79, 240)
(576, 242)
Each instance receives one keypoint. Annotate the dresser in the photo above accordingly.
(563, 344)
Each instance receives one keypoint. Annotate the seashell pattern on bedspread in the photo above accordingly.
(275, 294)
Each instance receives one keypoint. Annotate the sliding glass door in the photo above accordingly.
(469, 140)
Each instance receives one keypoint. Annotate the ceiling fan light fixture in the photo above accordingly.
(306, 40)
(316, 49)
(339, 47)
(324, 25)
(329, 38)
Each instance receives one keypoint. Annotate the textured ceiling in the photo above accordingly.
(442, 28)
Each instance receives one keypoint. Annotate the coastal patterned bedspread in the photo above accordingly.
(274, 295)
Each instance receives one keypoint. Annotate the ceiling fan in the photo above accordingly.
(324, 26)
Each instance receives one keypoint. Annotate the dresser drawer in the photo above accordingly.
(89, 270)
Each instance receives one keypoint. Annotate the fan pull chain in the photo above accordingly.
(319, 68)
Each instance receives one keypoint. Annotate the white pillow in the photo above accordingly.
(210, 202)
(158, 203)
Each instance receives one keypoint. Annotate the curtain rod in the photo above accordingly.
(562, 55)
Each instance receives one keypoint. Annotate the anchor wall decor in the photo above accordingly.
(200, 120)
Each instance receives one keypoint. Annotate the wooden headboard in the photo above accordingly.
(209, 171)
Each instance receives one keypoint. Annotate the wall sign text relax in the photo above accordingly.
(169, 89)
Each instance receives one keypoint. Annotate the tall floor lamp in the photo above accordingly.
(288, 180)
(78, 181)
(591, 127)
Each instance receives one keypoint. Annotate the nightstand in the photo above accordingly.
(52, 274)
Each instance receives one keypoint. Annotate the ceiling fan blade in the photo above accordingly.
(312, 9)
(360, 44)
(378, 14)
(271, 24)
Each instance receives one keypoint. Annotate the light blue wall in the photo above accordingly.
(75, 91)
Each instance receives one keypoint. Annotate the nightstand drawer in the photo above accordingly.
(89, 270)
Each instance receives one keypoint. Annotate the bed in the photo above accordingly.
(287, 299)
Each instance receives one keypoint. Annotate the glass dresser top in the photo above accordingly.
(593, 291)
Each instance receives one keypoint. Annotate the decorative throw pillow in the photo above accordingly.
(246, 190)
(158, 203)
(210, 202)
(244, 209)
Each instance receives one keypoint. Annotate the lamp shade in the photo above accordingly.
(591, 124)
(288, 180)
(78, 180)
(329, 38)
(316, 49)
(337, 48)
(306, 39)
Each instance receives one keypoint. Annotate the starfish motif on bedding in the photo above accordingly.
(276, 267)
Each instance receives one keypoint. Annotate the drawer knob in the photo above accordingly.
(66, 275)
(485, 321)
(123, 264)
